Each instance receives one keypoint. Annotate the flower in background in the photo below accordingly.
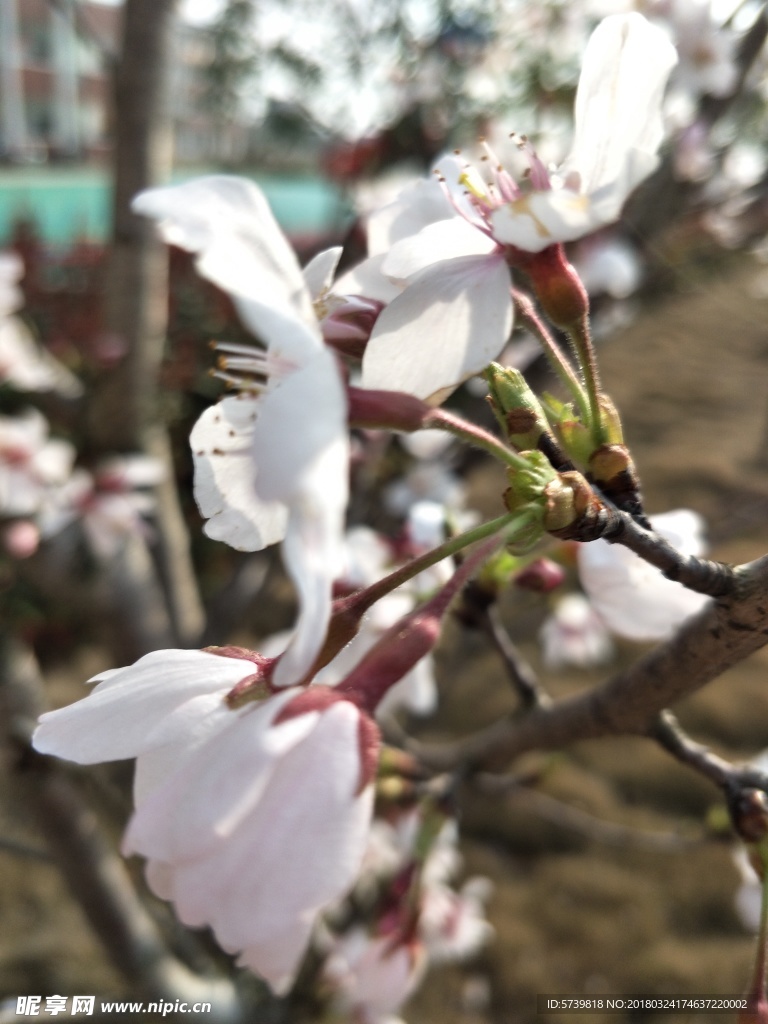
(23, 363)
(273, 462)
(574, 634)
(632, 597)
(31, 463)
(371, 976)
(111, 503)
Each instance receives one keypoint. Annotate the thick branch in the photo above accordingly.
(721, 635)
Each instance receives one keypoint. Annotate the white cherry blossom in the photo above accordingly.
(574, 634)
(453, 253)
(271, 463)
(618, 130)
(31, 463)
(252, 820)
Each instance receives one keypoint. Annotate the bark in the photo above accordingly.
(125, 413)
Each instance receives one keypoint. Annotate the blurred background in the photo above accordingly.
(614, 871)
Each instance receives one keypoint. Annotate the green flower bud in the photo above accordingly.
(516, 407)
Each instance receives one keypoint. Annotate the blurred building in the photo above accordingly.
(55, 84)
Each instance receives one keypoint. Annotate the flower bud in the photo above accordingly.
(541, 576)
(527, 486)
(516, 407)
(572, 507)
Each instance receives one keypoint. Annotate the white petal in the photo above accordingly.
(298, 849)
(421, 203)
(318, 273)
(368, 280)
(29, 367)
(205, 797)
(300, 419)
(227, 223)
(443, 240)
(618, 103)
(123, 715)
(539, 219)
(224, 484)
(448, 324)
(312, 552)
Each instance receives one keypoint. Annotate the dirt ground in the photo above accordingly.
(611, 882)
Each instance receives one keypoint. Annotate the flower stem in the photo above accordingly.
(557, 360)
(580, 338)
(509, 522)
(439, 419)
(349, 611)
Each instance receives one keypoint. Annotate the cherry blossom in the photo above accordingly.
(111, 503)
(574, 634)
(372, 976)
(258, 477)
(454, 252)
(31, 463)
(252, 820)
(24, 364)
(618, 130)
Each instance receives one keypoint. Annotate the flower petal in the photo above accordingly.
(448, 324)
(303, 416)
(618, 104)
(442, 240)
(318, 273)
(123, 715)
(297, 850)
(224, 484)
(227, 223)
(632, 597)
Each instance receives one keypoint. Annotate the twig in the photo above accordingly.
(520, 673)
(721, 635)
(609, 832)
(667, 732)
(715, 579)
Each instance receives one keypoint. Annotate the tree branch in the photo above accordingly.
(721, 635)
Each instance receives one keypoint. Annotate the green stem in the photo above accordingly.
(552, 351)
(439, 419)
(510, 522)
(581, 340)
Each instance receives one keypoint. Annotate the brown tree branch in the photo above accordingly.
(721, 635)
